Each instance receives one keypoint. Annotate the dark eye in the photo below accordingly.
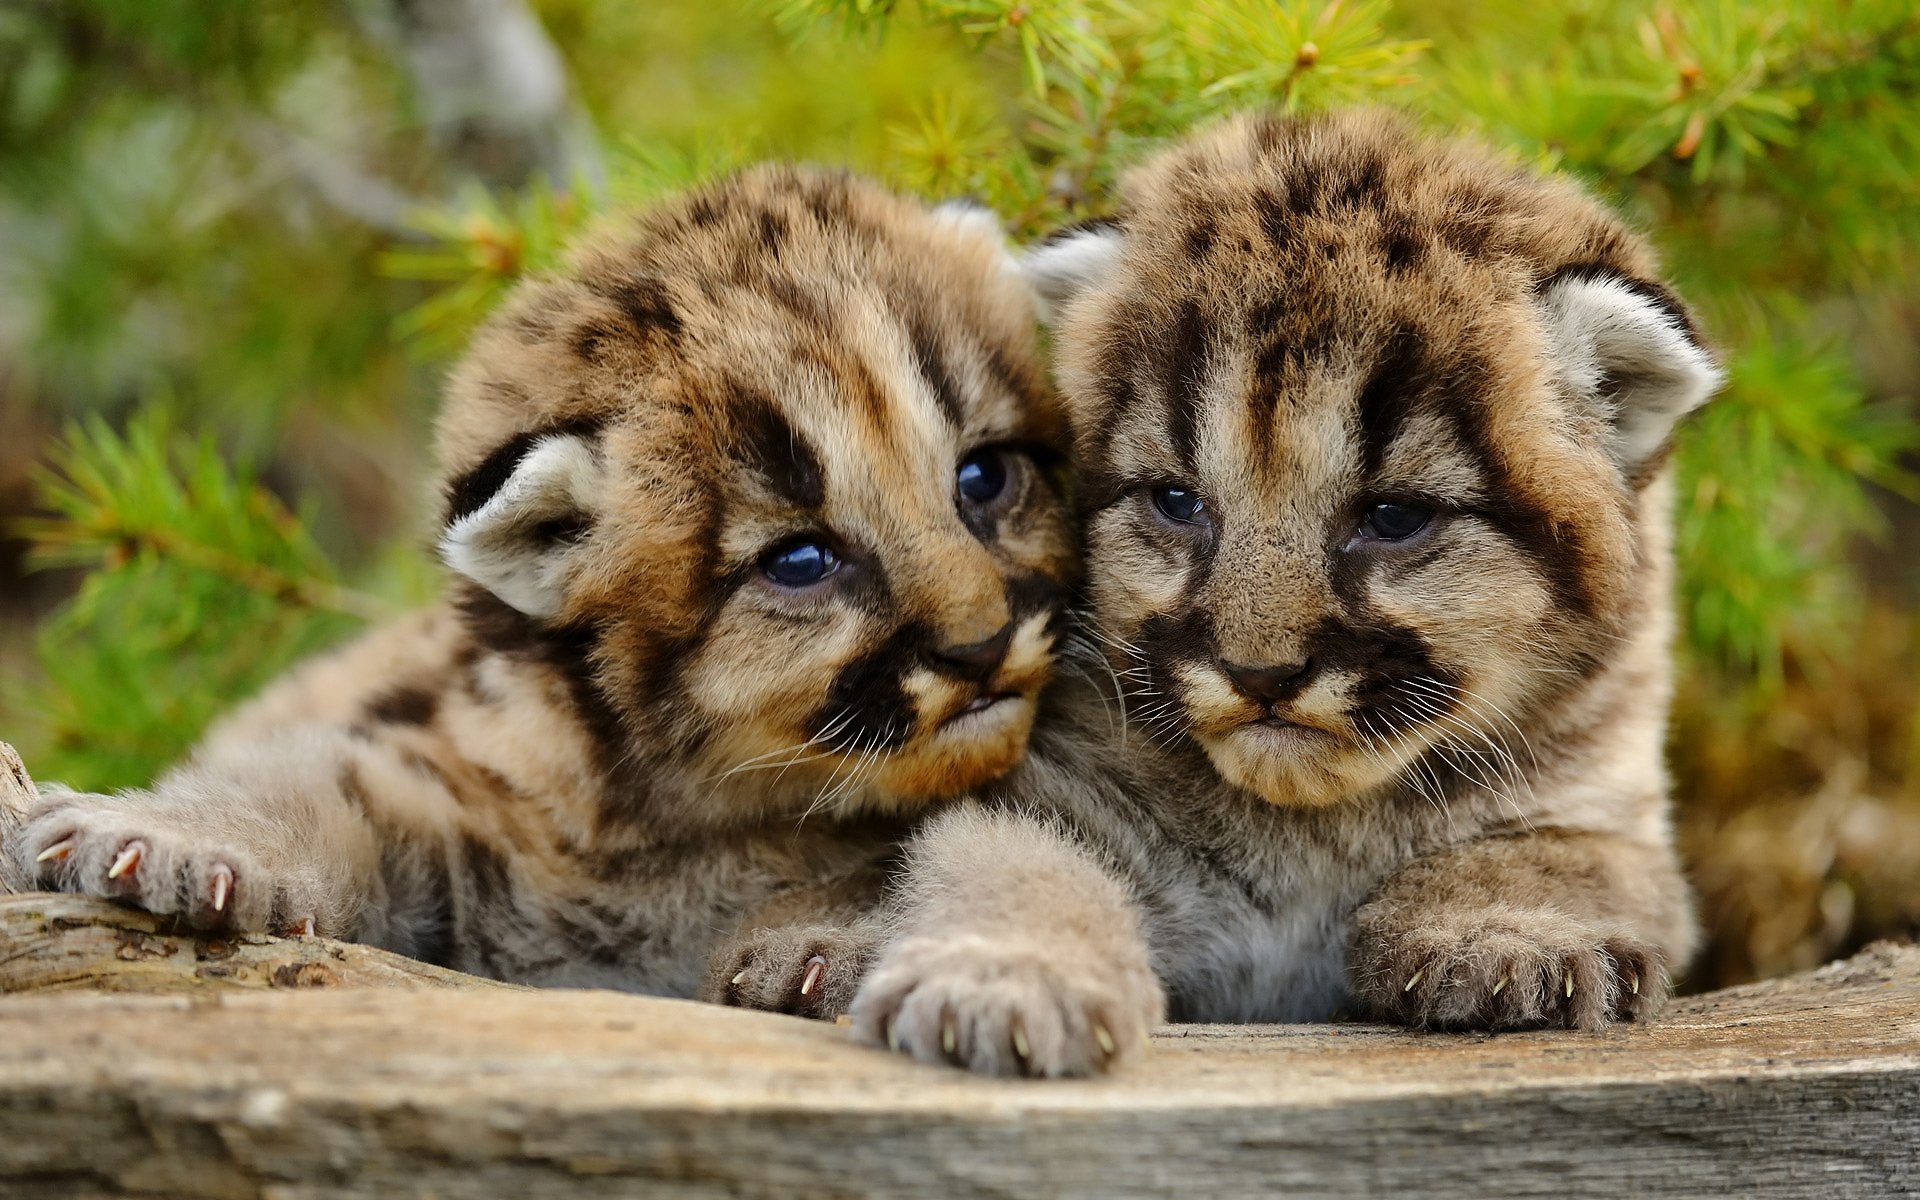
(1180, 504)
(798, 564)
(1395, 522)
(982, 476)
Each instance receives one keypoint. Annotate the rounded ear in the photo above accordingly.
(1071, 261)
(511, 520)
(1628, 348)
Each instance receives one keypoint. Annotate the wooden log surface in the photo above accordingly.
(256, 1082)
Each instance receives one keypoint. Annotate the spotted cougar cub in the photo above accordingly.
(755, 553)
(1372, 432)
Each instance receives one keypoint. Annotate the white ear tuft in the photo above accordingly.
(507, 545)
(1630, 353)
(1070, 262)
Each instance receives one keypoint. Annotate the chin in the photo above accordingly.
(1292, 765)
(962, 752)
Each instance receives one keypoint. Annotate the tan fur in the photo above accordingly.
(620, 740)
(1414, 776)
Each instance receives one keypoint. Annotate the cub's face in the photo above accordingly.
(779, 466)
(1364, 423)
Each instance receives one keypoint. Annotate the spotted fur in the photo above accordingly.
(618, 738)
(1418, 779)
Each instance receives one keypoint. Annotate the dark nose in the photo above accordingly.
(977, 660)
(1267, 684)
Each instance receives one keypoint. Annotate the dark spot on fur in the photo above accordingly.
(704, 212)
(1386, 660)
(496, 627)
(589, 336)
(403, 705)
(470, 491)
(1168, 639)
(353, 789)
(643, 300)
(486, 869)
(776, 450)
(1279, 222)
(773, 231)
(1387, 398)
(1199, 239)
(1362, 188)
(1554, 546)
(805, 307)
(869, 690)
(1182, 368)
(1400, 248)
(927, 356)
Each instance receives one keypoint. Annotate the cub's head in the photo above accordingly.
(768, 474)
(1371, 428)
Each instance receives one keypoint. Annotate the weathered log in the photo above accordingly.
(1802, 1087)
(72, 943)
(242, 1083)
(16, 793)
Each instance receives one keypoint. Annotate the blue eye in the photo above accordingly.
(1180, 504)
(982, 477)
(798, 564)
(1395, 522)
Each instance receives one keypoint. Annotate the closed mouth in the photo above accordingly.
(1286, 726)
(981, 703)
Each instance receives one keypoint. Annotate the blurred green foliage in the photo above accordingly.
(233, 219)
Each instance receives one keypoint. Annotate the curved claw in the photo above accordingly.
(128, 860)
(816, 970)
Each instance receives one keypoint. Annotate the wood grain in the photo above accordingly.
(252, 1082)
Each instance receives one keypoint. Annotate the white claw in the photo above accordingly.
(1020, 1045)
(1569, 985)
(128, 860)
(1415, 981)
(307, 927)
(1105, 1038)
(1502, 985)
(949, 1036)
(816, 968)
(222, 885)
(59, 849)
(1633, 981)
(893, 1038)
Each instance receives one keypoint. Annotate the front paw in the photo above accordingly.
(1504, 970)
(807, 971)
(118, 849)
(1007, 1010)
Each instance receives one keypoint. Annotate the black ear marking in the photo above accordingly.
(470, 491)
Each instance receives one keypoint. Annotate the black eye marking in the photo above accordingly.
(1181, 505)
(982, 476)
(800, 563)
(1390, 522)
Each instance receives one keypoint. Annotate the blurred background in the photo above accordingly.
(240, 243)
